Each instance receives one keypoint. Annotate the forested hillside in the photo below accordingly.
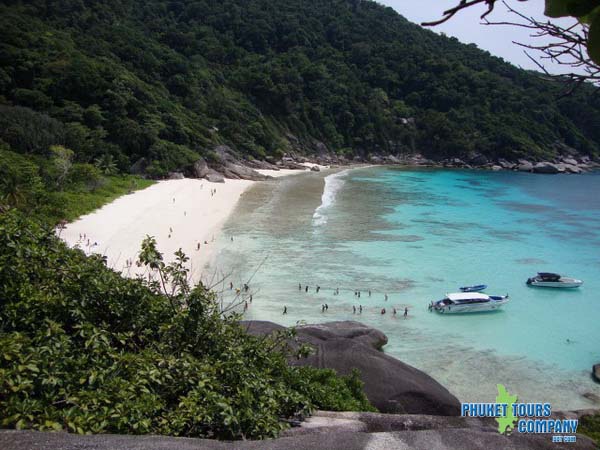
(116, 81)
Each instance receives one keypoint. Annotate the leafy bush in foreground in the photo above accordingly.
(84, 350)
(590, 426)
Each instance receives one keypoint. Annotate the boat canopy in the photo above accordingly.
(457, 296)
(548, 276)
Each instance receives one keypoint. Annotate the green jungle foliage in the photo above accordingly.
(84, 350)
(54, 189)
(167, 80)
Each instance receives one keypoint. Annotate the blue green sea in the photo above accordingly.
(420, 233)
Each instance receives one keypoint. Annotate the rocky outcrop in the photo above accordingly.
(256, 164)
(315, 169)
(390, 385)
(139, 167)
(596, 372)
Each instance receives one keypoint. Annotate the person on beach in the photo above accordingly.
(386, 297)
(326, 307)
(318, 289)
(231, 238)
(170, 229)
(353, 309)
(299, 287)
(405, 313)
(198, 246)
(246, 287)
(337, 291)
(383, 311)
(285, 310)
(358, 294)
(360, 309)
(230, 285)
(250, 298)
(369, 292)
(245, 306)
(395, 311)
(306, 289)
(322, 308)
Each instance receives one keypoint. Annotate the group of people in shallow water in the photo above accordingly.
(357, 293)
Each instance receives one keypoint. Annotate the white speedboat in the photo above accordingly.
(468, 302)
(553, 280)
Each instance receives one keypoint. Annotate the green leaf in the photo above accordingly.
(593, 44)
(557, 8)
(578, 8)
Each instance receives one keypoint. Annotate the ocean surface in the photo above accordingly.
(416, 235)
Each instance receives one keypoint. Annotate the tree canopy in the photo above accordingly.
(168, 80)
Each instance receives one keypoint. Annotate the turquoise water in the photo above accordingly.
(417, 234)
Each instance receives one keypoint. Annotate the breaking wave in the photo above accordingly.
(333, 184)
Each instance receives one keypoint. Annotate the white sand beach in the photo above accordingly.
(178, 213)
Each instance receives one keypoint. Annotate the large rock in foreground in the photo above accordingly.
(394, 432)
(390, 385)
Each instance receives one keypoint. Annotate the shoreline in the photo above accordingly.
(186, 213)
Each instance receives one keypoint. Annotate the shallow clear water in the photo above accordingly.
(417, 234)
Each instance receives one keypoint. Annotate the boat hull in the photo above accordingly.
(557, 284)
(494, 305)
(477, 288)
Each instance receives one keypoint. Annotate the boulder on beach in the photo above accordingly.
(571, 161)
(315, 169)
(200, 168)
(546, 167)
(214, 177)
(478, 159)
(596, 372)
(506, 164)
(237, 171)
(524, 166)
(390, 385)
(175, 176)
(569, 168)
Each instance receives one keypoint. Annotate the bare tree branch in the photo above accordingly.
(567, 46)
